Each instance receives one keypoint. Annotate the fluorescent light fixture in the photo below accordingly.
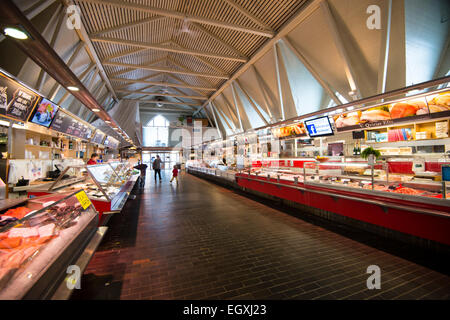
(96, 110)
(18, 126)
(115, 129)
(72, 88)
(4, 123)
(15, 33)
(107, 121)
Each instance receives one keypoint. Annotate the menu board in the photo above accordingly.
(439, 104)
(111, 142)
(44, 113)
(61, 122)
(406, 110)
(64, 123)
(296, 130)
(319, 127)
(98, 137)
(16, 101)
(372, 117)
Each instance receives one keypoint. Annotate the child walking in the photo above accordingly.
(174, 174)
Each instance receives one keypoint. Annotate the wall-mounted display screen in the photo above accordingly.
(358, 134)
(99, 136)
(64, 123)
(16, 101)
(44, 113)
(319, 127)
(111, 142)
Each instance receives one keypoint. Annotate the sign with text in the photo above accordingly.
(64, 123)
(16, 101)
(99, 136)
(83, 199)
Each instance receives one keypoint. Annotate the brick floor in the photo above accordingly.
(198, 240)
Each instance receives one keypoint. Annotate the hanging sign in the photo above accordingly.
(16, 101)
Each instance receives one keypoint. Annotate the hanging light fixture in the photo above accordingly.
(16, 32)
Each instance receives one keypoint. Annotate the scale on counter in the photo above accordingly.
(418, 165)
(419, 171)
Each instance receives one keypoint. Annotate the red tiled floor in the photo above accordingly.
(198, 240)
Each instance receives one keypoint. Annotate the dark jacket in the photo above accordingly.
(142, 167)
(156, 164)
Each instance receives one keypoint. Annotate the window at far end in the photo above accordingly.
(156, 132)
(158, 121)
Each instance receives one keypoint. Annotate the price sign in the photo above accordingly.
(83, 199)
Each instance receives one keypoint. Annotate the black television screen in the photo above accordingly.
(44, 113)
(319, 127)
(358, 134)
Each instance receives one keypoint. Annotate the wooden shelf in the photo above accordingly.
(410, 143)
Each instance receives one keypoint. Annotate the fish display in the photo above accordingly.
(25, 240)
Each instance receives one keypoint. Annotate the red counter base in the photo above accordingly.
(429, 227)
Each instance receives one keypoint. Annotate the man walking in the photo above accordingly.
(157, 167)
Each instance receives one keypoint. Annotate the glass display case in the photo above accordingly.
(39, 239)
(375, 178)
(123, 169)
(104, 186)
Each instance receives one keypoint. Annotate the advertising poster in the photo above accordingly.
(16, 101)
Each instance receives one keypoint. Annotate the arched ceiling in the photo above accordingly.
(177, 53)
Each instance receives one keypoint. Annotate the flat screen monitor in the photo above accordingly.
(319, 127)
(44, 113)
(358, 134)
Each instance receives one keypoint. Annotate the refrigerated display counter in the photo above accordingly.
(362, 192)
(222, 173)
(107, 188)
(40, 238)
